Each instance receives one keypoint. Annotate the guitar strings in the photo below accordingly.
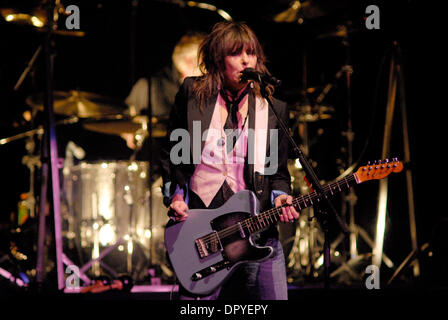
(273, 211)
(245, 223)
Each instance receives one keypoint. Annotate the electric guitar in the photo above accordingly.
(207, 247)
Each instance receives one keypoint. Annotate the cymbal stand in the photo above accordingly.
(50, 201)
(305, 248)
(307, 239)
(301, 238)
(322, 210)
(150, 180)
(31, 161)
(350, 198)
(129, 194)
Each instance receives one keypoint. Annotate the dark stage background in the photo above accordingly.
(121, 45)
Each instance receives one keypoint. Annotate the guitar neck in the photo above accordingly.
(267, 218)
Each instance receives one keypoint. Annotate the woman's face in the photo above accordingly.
(234, 64)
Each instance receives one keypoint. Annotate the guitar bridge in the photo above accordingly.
(208, 244)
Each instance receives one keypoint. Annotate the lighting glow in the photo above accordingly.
(381, 223)
(36, 22)
(130, 246)
(107, 234)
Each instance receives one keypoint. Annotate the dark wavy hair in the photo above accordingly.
(226, 38)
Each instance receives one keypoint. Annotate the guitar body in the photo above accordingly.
(234, 249)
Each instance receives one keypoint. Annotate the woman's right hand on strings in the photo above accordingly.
(178, 208)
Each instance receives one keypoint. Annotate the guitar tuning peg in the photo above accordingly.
(387, 160)
(368, 163)
(379, 161)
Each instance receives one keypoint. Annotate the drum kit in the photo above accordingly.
(105, 204)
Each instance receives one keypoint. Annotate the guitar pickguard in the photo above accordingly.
(236, 246)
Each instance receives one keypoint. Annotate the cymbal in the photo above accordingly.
(79, 103)
(35, 17)
(298, 11)
(127, 125)
(307, 113)
(340, 31)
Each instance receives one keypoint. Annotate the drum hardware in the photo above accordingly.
(341, 31)
(308, 113)
(396, 88)
(316, 183)
(311, 249)
(305, 247)
(37, 131)
(298, 12)
(123, 124)
(49, 170)
(36, 17)
(31, 161)
(305, 259)
(201, 5)
(210, 7)
(79, 103)
(50, 11)
(29, 133)
(350, 198)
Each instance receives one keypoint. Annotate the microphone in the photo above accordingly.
(260, 77)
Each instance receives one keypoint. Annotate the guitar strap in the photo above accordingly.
(256, 151)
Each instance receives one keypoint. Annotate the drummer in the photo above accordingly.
(163, 86)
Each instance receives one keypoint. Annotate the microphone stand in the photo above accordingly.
(322, 211)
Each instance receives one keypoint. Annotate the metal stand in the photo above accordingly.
(350, 199)
(307, 241)
(396, 81)
(304, 257)
(139, 139)
(324, 205)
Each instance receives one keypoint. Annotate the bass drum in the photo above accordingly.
(107, 216)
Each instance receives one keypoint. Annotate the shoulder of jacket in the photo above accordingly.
(188, 81)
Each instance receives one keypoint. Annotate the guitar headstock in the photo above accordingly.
(378, 170)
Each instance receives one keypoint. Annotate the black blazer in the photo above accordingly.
(186, 110)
